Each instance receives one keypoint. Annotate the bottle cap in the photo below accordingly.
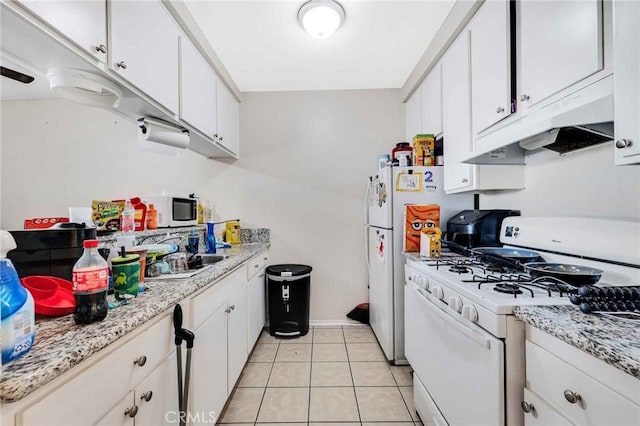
(90, 244)
(7, 243)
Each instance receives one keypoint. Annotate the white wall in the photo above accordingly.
(304, 159)
(582, 183)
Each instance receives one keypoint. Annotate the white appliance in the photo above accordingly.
(464, 344)
(174, 211)
(385, 218)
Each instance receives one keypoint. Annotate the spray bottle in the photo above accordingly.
(18, 314)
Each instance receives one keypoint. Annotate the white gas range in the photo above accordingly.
(464, 344)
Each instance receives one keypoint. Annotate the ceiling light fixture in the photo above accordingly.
(321, 18)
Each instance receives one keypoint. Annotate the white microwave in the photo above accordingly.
(174, 211)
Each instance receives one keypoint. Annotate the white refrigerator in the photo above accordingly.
(388, 191)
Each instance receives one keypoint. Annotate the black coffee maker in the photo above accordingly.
(476, 228)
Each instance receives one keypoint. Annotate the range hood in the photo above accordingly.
(581, 119)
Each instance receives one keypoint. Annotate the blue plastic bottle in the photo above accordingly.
(16, 303)
(211, 239)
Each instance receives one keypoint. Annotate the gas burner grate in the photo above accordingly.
(460, 269)
(508, 288)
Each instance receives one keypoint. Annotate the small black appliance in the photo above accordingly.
(476, 228)
(51, 251)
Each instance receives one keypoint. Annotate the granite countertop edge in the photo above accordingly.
(611, 340)
(60, 345)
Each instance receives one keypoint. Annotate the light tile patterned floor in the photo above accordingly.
(332, 376)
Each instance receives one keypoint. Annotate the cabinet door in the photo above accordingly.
(237, 336)
(122, 414)
(228, 120)
(540, 414)
(432, 102)
(209, 369)
(257, 310)
(626, 57)
(144, 48)
(559, 44)
(413, 110)
(84, 22)
(157, 395)
(456, 115)
(198, 89)
(490, 65)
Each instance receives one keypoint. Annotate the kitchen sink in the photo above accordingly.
(210, 258)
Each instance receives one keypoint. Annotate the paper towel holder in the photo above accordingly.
(147, 123)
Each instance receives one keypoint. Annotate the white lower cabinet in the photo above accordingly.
(257, 306)
(112, 376)
(565, 385)
(153, 402)
(221, 346)
(209, 371)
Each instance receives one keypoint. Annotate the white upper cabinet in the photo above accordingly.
(559, 43)
(198, 89)
(432, 102)
(490, 65)
(626, 57)
(84, 22)
(228, 119)
(413, 114)
(144, 48)
(456, 115)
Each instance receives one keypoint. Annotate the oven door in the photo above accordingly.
(460, 364)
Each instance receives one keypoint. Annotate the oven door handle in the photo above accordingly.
(466, 331)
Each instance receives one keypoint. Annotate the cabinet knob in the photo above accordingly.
(264, 258)
(227, 310)
(524, 98)
(122, 64)
(526, 407)
(571, 396)
(131, 411)
(623, 143)
(499, 110)
(147, 396)
(221, 138)
(102, 48)
(140, 361)
(232, 307)
(261, 276)
(215, 135)
(256, 266)
(465, 180)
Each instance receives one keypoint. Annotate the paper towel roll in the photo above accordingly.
(163, 134)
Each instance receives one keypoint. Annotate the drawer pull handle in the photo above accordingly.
(101, 49)
(526, 407)
(572, 396)
(140, 361)
(122, 64)
(131, 411)
(147, 396)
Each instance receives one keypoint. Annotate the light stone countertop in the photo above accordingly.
(60, 344)
(613, 341)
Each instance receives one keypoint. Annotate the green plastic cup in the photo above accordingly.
(126, 276)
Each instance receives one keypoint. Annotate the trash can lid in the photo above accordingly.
(288, 270)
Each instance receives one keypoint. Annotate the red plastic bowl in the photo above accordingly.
(52, 296)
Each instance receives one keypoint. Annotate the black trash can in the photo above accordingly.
(288, 299)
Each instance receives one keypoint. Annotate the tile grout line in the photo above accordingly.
(355, 395)
(264, 392)
(313, 337)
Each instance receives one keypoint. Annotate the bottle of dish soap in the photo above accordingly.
(210, 242)
(18, 314)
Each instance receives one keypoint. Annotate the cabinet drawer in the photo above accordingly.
(256, 264)
(208, 302)
(105, 381)
(540, 413)
(551, 378)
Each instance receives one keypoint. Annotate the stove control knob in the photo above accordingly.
(455, 303)
(437, 292)
(470, 313)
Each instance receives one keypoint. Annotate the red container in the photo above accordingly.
(402, 149)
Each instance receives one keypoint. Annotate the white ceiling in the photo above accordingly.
(264, 49)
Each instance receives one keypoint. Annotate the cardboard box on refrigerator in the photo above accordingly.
(417, 217)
